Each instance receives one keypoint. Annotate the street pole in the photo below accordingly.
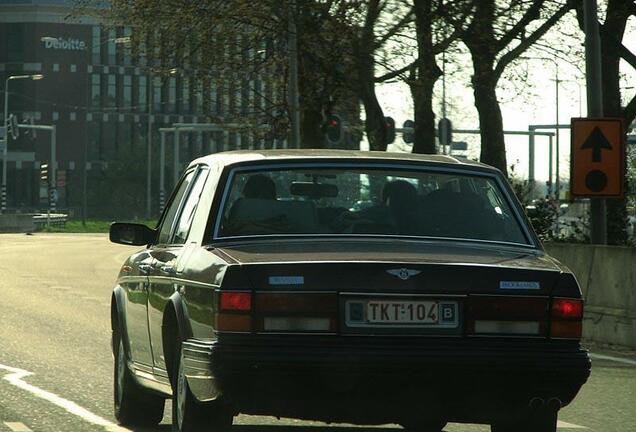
(151, 89)
(162, 166)
(84, 184)
(598, 210)
(443, 93)
(3, 191)
(175, 159)
(294, 103)
(53, 177)
(558, 149)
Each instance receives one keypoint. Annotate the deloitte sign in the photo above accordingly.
(60, 43)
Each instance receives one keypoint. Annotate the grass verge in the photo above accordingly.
(89, 226)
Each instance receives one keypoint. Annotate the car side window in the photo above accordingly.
(187, 213)
(171, 213)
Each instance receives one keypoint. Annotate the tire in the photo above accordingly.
(544, 421)
(190, 415)
(134, 406)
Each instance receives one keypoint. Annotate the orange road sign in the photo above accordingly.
(597, 167)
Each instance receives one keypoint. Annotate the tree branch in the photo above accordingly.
(393, 30)
(533, 13)
(511, 55)
(395, 73)
(629, 112)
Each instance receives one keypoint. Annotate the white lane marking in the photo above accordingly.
(564, 425)
(614, 359)
(15, 377)
(17, 427)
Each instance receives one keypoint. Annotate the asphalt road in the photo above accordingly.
(56, 364)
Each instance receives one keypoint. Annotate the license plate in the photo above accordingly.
(429, 313)
(397, 312)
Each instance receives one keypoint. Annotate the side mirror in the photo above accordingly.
(131, 234)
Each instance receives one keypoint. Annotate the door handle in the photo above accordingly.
(145, 268)
(168, 269)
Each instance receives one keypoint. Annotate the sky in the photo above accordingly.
(534, 105)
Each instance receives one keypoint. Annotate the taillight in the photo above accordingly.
(296, 312)
(235, 301)
(567, 318)
(507, 316)
(234, 311)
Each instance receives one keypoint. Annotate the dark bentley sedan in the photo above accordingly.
(344, 287)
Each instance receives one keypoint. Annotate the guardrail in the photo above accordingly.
(50, 219)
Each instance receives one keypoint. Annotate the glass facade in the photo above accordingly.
(107, 110)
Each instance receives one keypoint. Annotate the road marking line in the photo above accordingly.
(17, 427)
(15, 377)
(564, 425)
(614, 359)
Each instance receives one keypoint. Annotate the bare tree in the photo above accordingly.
(498, 33)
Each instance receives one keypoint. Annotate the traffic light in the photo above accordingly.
(409, 131)
(12, 123)
(390, 129)
(44, 173)
(334, 129)
(445, 131)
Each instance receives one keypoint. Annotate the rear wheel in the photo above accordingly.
(133, 405)
(190, 415)
(545, 421)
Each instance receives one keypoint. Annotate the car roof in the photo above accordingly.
(315, 155)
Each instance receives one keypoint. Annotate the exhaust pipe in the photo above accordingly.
(536, 403)
(554, 404)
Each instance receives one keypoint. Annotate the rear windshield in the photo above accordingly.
(367, 201)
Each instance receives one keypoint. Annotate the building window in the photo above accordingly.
(97, 44)
(124, 138)
(214, 99)
(56, 67)
(127, 50)
(92, 147)
(156, 94)
(73, 68)
(127, 92)
(111, 92)
(185, 95)
(15, 43)
(198, 99)
(172, 94)
(95, 90)
(112, 47)
(142, 94)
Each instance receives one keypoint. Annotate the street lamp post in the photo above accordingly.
(3, 192)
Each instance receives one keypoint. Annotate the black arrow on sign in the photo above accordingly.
(596, 141)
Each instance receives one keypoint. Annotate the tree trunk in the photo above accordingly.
(375, 126)
(424, 117)
(618, 11)
(427, 72)
(312, 135)
(493, 148)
